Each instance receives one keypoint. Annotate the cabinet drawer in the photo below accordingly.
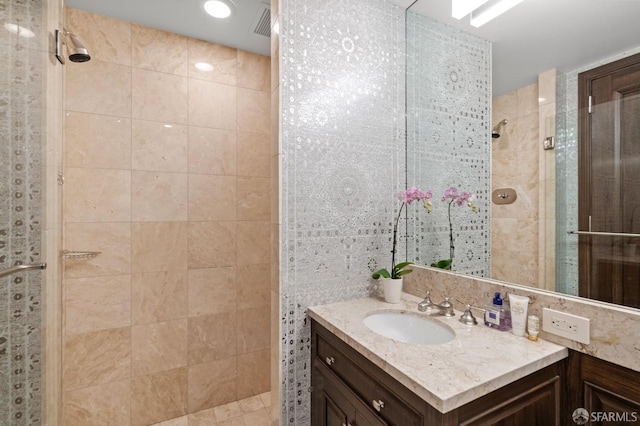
(358, 373)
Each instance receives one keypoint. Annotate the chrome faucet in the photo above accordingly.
(445, 308)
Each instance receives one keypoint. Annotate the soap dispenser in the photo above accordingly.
(496, 316)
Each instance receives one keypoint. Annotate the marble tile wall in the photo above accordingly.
(615, 330)
(547, 112)
(53, 225)
(515, 164)
(168, 175)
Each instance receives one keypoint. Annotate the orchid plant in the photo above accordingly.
(453, 198)
(407, 197)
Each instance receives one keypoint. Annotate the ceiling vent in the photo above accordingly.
(262, 21)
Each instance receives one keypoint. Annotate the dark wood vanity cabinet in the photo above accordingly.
(602, 387)
(335, 404)
(349, 390)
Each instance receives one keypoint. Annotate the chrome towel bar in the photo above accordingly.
(18, 268)
(606, 234)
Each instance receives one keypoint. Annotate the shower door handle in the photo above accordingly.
(18, 268)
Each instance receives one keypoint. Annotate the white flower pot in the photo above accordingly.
(392, 290)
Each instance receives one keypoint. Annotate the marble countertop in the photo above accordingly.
(477, 361)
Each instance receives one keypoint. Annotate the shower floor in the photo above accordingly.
(252, 411)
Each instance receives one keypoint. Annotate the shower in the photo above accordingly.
(77, 52)
(495, 133)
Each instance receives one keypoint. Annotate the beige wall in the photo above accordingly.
(547, 180)
(52, 196)
(614, 329)
(523, 233)
(514, 157)
(167, 174)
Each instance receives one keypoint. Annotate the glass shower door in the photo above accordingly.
(609, 197)
(22, 70)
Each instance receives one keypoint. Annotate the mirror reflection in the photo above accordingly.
(482, 106)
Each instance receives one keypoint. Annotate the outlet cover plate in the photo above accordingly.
(566, 325)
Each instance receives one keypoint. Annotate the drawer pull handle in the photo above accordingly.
(329, 360)
(378, 405)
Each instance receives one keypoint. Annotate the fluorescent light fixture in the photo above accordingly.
(204, 66)
(491, 10)
(461, 8)
(218, 8)
(19, 30)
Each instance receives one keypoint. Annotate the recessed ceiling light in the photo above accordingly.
(218, 8)
(19, 30)
(204, 66)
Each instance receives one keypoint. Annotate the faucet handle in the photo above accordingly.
(448, 307)
(467, 317)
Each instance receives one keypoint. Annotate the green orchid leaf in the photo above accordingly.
(381, 273)
(399, 266)
(405, 272)
(443, 264)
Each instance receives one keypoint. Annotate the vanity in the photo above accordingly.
(482, 376)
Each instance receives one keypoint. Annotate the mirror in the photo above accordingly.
(462, 82)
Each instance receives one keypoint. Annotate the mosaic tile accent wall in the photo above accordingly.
(21, 130)
(448, 111)
(342, 150)
(566, 185)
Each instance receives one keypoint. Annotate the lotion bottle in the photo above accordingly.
(519, 306)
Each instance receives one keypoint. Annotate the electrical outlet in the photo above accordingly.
(566, 325)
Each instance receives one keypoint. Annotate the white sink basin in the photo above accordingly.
(409, 328)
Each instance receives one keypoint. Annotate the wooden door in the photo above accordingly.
(609, 182)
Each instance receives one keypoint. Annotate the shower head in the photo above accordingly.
(495, 133)
(77, 52)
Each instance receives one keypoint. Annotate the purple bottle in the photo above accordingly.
(497, 316)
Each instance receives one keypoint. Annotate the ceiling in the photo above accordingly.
(533, 37)
(538, 35)
(187, 17)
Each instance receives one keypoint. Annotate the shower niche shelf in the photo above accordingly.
(79, 255)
